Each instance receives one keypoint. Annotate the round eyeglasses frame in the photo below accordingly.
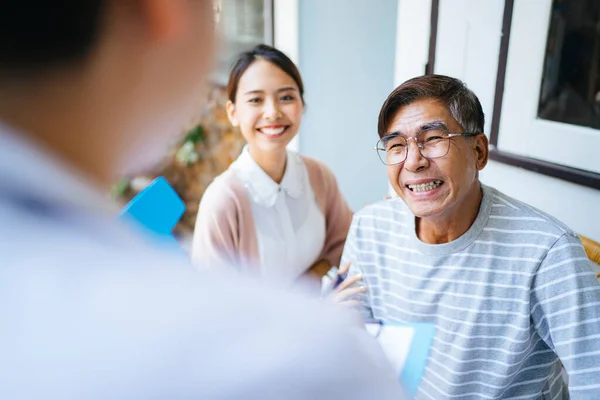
(382, 151)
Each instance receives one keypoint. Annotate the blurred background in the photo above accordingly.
(534, 64)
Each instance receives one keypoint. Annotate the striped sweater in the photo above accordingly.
(512, 299)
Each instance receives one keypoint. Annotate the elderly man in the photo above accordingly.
(508, 287)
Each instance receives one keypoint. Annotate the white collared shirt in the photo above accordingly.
(290, 226)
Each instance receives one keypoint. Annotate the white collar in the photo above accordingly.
(261, 187)
(28, 170)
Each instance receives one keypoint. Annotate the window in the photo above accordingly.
(545, 114)
(570, 91)
(241, 25)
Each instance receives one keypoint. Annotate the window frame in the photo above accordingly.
(219, 76)
(553, 169)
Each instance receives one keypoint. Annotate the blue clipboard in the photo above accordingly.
(414, 359)
(157, 208)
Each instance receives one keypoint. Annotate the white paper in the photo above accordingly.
(395, 342)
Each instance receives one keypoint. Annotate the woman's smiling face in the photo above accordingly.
(268, 107)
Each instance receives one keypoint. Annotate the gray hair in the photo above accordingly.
(462, 103)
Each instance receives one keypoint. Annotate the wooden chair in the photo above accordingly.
(592, 248)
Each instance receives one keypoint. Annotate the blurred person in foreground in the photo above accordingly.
(89, 309)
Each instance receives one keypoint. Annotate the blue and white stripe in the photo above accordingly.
(512, 299)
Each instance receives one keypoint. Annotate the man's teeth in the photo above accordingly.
(273, 131)
(423, 187)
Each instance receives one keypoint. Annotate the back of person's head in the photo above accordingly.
(121, 77)
(462, 103)
(267, 53)
(39, 35)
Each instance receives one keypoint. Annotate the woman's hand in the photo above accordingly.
(343, 294)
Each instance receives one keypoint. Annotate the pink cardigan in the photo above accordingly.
(225, 232)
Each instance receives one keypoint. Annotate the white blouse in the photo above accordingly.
(290, 226)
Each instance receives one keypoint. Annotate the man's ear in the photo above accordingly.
(230, 108)
(481, 149)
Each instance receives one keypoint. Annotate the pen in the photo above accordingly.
(338, 280)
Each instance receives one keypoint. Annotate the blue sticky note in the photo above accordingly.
(157, 208)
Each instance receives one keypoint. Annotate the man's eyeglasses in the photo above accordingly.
(392, 149)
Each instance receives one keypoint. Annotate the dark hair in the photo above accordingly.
(262, 52)
(37, 35)
(462, 103)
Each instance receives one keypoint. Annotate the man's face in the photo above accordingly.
(434, 188)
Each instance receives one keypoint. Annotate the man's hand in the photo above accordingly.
(346, 290)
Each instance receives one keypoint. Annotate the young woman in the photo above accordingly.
(274, 212)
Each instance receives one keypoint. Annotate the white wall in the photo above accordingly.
(346, 57)
(468, 43)
(577, 206)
